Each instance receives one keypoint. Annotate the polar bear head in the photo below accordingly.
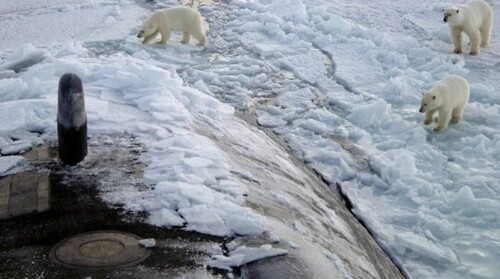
(432, 99)
(453, 16)
(148, 27)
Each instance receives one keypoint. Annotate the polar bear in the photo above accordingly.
(179, 18)
(448, 97)
(475, 18)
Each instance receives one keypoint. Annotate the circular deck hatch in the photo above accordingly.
(99, 249)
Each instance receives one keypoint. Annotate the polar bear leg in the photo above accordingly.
(444, 119)
(486, 33)
(456, 36)
(165, 36)
(457, 114)
(147, 39)
(486, 27)
(198, 34)
(429, 116)
(475, 40)
(186, 37)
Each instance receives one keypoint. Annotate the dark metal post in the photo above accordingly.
(71, 120)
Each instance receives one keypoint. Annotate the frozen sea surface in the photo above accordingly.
(339, 81)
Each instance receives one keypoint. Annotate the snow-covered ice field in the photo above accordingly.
(339, 82)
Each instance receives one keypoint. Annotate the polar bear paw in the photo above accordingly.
(439, 128)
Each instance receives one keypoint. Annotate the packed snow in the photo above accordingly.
(11, 164)
(147, 243)
(243, 255)
(339, 81)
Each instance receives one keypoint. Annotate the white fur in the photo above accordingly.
(448, 97)
(179, 18)
(475, 18)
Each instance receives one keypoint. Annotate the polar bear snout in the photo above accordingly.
(141, 34)
(446, 15)
(421, 109)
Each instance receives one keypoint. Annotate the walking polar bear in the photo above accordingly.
(475, 18)
(179, 18)
(448, 97)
